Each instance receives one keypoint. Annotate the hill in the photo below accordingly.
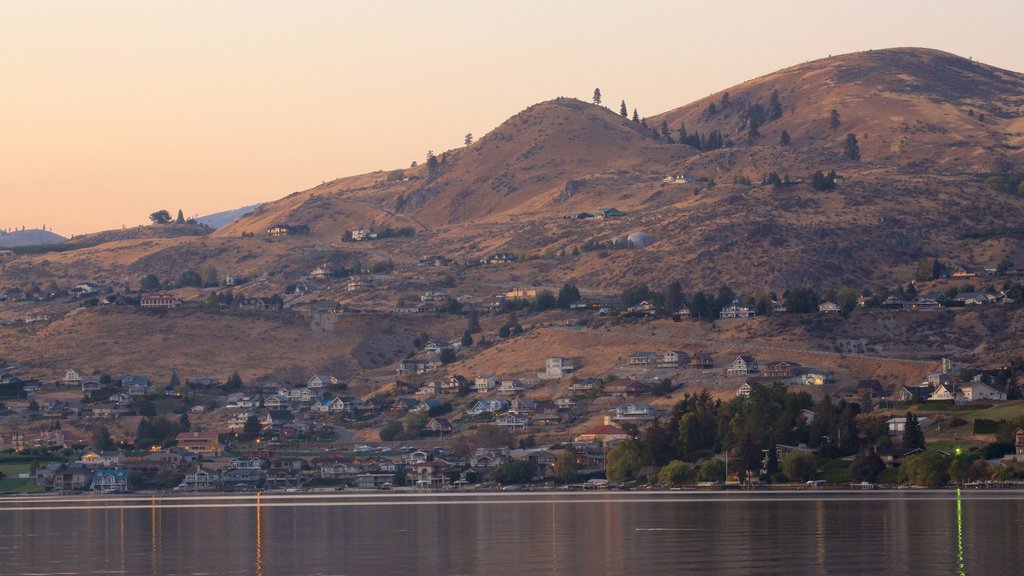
(221, 219)
(32, 237)
(940, 156)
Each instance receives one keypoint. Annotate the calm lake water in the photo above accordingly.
(807, 532)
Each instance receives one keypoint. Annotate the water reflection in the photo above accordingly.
(959, 535)
(558, 533)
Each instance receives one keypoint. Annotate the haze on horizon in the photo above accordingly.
(115, 109)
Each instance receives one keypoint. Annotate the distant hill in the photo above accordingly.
(221, 219)
(29, 238)
(170, 230)
(932, 130)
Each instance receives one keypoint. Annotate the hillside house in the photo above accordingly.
(485, 383)
(819, 379)
(420, 364)
(674, 359)
(483, 406)
(547, 413)
(438, 426)
(743, 365)
(946, 392)
(360, 234)
(624, 387)
(202, 443)
(642, 359)
(606, 433)
(586, 385)
(702, 360)
(511, 386)
(963, 273)
(454, 384)
(512, 421)
(735, 311)
(71, 378)
(636, 412)
(980, 391)
(644, 308)
(557, 367)
(321, 381)
(522, 406)
(829, 308)
(499, 258)
(781, 369)
(914, 394)
(159, 300)
(280, 230)
(926, 304)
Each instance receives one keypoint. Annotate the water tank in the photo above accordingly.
(639, 239)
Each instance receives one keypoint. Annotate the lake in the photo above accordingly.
(565, 533)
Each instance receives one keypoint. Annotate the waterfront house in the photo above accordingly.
(110, 481)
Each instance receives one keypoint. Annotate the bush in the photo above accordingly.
(986, 426)
(676, 473)
(799, 466)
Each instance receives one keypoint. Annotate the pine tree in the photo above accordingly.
(597, 96)
(833, 120)
(181, 217)
(774, 106)
(682, 133)
(913, 437)
(665, 133)
(784, 138)
(432, 163)
(636, 117)
(623, 111)
(473, 322)
(469, 139)
(851, 149)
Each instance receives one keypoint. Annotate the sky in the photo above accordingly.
(112, 110)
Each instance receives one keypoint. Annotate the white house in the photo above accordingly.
(556, 367)
(743, 365)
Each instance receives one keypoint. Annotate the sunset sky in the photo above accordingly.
(114, 109)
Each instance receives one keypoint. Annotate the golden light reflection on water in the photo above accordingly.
(959, 535)
(259, 537)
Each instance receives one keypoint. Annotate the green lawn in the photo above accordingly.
(12, 469)
(20, 485)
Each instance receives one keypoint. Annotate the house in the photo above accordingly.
(512, 421)
(926, 304)
(702, 360)
(403, 405)
(71, 378)
(944, 392)
(974, 298)
(511, 386)
(110, 481)
(327, 406)
(522, 406)
(818, 379)
(566, 402)
(198, 480)
(781, 369)
(644, 308)
(361, 234)
(556, 367)
(829, 308)
(1018, 441)
(205, 381)
(277, 402)
(436, 347)
(493, 305)
(735, 311)
(483, 406)
(624, 387)
(489, 457)
(499, 258)
(279, 230)
(870, 388)
(606, 433)
(159, 300)
(636, 411)
(202, 443)
(426, 405)
(420, 364)
(893, 303)
(320, 381)
(485, 383)
(438, 426)
(981, 391)
(963, 273)
(914, 394)
(454, 384)
(674, 359)
(72, 478)
(357, 283)
(548, 413)
(642, 359)
(321, 272)
(746, 388)
(586, 385)
(898, 425)
(743, 365)
(429, 389)
(129, 380)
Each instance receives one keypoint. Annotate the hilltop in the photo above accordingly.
(32, 237)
